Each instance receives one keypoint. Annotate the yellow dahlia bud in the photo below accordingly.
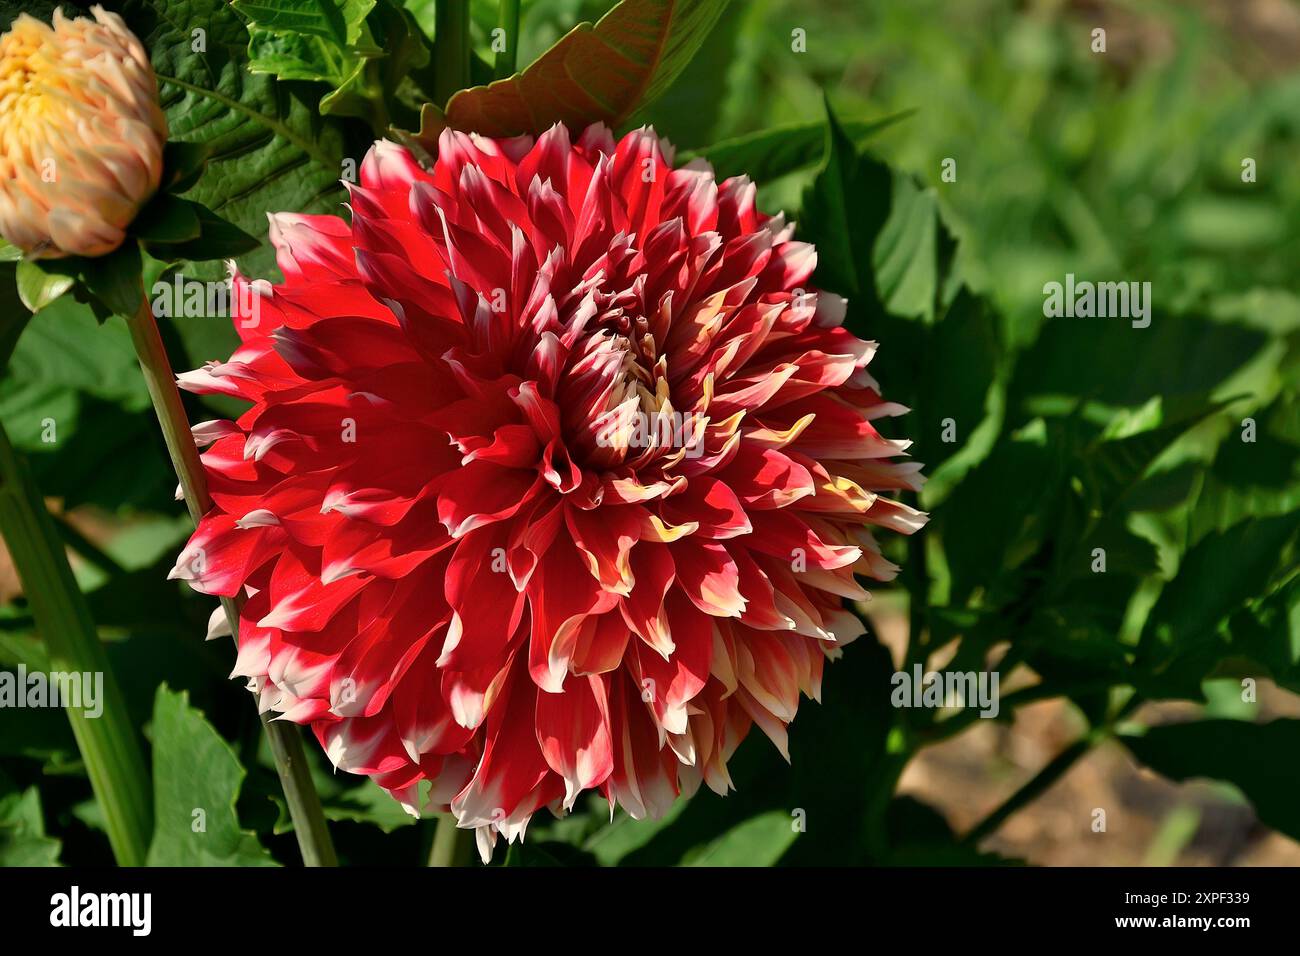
(81, 134)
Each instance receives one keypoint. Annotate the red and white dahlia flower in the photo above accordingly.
(554, 478)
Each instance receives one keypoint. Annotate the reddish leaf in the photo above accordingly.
(603, 72)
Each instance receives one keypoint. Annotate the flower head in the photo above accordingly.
(81, 134)
(555, 476)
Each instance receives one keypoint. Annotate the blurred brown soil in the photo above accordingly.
(1150, 820)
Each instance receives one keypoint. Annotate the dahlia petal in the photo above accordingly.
(221, 555)
(573, 729)
(764, 478)
(643, 608)
(671, 683)
(424, 720)
(713, 505)
(601, 644)
(644, 780)
(218, 624)
(709, 577)
(560, 597)
(512, 765)
(605, 538)
(554, 394)
(310, 247)
(481, 493)
(299, 601)
(486, 608)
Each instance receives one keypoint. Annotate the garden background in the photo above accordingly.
(1175, 448)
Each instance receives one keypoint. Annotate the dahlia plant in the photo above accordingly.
(468, 561)
(536, 463)
(557, 472)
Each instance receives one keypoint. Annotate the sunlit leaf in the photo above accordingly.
(596, 73)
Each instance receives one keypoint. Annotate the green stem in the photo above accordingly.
(284, 738)
(918, 589)
(452, 846)
(450, 49)
(108, 743)
(508, 22)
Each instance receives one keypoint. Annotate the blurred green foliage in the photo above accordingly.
(1069, 435)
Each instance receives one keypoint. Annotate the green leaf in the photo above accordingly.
(9, 11)
(102, 454)
(361, 49)
(1249, 756)
(1218, 575)
(1115, 465)
(1185, 634)
(22, 830)
(986, 545)
(114, 279)
(338, 21)
(693, 106)
(1180, 355)
(37, 735)
(844, 211)
(368, 803)
(216, 238)
(758, 841)
(270, 148)
(110, 284)
(1110, 472)
(962, 354)
(1257, 478)
(773, 153)
(1267, 636)
(920, 836)
(616, 839)
(167, 219)
(519, 854)
(64, 349)
(40, 282)
(907, 269)
(604, 72)
(183, 164)
(197, 778)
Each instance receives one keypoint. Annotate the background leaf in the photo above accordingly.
(270, 150)
(195, 770)
(595, 73)
(773, 153)
(22, 829)
(1244, 754)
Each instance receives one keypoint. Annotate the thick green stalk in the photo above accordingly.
(450, 49)
(284, 738)
(452, 846)
(508, 23)
(108, 743)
